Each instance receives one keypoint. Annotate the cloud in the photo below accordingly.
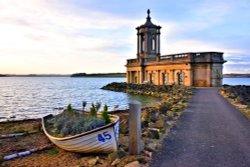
(47, 34)
(64, 36)
(243, 69)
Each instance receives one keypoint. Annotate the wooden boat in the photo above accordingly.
(100, 140)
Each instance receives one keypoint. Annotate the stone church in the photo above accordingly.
(201, 69)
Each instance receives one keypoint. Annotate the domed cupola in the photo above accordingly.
(148, 39)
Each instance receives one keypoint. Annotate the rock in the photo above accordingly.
(124, 127)
(124, 139)
(153, 116)
(133, 164)
(89, 162)
(151, 147)
(169, 123)
(124, 142)
(115, 162)
(158, 124)
(145, 119)
(153, 133)
(144, 133)
(92, 162)
(117, 155)
(148, 153)
(131, 158)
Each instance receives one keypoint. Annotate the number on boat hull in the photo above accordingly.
(104, 136)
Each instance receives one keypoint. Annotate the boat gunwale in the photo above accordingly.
(115, 119)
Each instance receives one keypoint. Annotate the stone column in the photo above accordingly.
(156, 44)
(131, 77)
(128, 77)
(142, 42)
(138, 42)
(209, 74)
(142, 75)
(158, 39)
(159, 76)
(155, 39)
(146, 42)
(138, 77)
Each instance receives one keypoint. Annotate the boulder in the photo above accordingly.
(123, 143)
(117, 155)
(133, 164)
(124, 127)
(115, 162)
(153, 133)
(151, 147)
(159, 124)
(89, 162)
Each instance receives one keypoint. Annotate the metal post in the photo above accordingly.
(135, 144)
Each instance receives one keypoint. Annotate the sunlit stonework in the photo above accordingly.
(202, 69)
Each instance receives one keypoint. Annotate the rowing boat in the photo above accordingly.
(100, 140)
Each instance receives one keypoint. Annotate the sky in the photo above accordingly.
(97, 36)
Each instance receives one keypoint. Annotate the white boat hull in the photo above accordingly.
(99, 140)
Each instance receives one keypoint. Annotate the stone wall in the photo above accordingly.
(190, 69)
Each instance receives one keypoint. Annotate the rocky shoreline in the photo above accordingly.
(156, 122)
(239, 96)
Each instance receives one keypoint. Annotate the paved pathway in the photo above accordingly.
(211, 133)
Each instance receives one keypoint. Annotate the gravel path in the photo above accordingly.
(211, 133)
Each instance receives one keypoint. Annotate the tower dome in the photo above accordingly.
(148, 39)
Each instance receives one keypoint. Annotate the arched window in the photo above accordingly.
(153, 43)
(164, 78)
(142, 43)
(180, 78)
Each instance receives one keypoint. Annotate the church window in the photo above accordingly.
(142, 43)
(164, 78)
(180, 78)
(153, 44)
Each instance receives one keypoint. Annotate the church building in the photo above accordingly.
(201, 69)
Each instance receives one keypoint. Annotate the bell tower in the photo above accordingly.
(148, 39)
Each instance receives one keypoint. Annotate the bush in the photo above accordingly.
(69, 108)
(71, 122)
(98, 106)
(105, 115)
(84, 103)
(93, 111)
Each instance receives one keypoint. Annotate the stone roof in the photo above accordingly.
(148, 23)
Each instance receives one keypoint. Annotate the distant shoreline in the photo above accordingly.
(236, 76)
(102, 75)
(31, 75)
(99, 75)
(76, 75)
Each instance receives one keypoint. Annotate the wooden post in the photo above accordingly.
(135, 145)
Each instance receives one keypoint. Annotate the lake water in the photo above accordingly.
(34, 97)
(236, 81)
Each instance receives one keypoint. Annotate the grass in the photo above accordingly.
(244, 109)
(22, 143)
(19, 127)
(53, 151)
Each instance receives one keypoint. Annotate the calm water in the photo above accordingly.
(236, 81)
(34, 97)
